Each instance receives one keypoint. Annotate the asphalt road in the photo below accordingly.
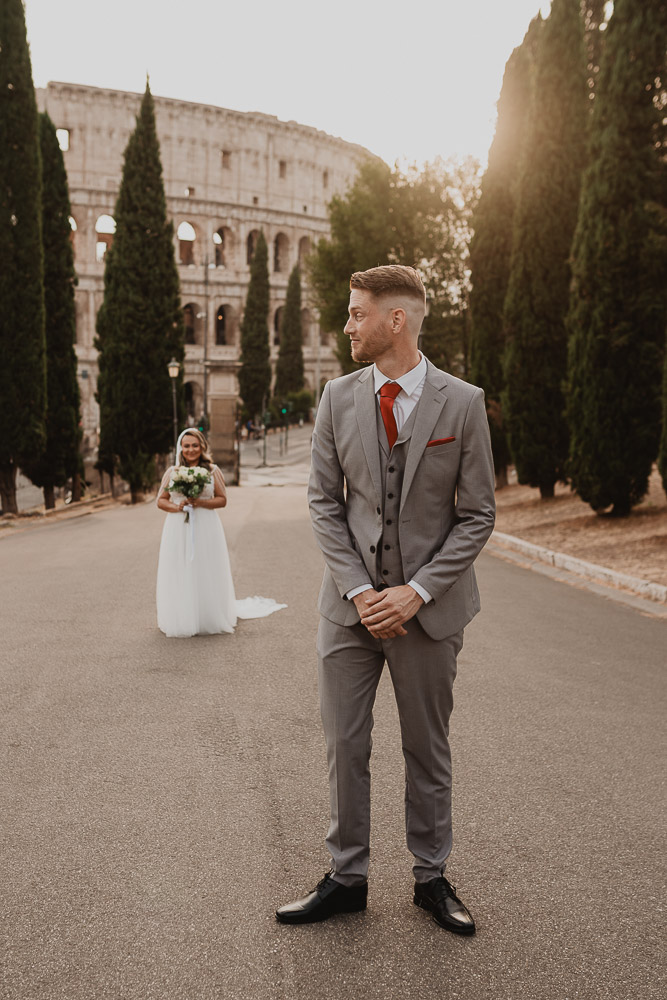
(159, 797)
(283, 459)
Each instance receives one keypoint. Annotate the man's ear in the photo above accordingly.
(398, 317)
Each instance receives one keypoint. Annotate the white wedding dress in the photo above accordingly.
(195, 590)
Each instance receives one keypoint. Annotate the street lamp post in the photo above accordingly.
(174, 368)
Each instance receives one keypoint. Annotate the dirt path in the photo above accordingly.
(636, 545)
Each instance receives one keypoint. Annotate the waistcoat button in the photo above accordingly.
(388, 521)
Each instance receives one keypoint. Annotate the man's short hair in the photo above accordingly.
(390, 279)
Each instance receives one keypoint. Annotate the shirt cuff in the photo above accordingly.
(424, 594)
(358, 590)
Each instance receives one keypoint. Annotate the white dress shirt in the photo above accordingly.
(412, 384)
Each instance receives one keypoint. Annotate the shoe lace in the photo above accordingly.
(323, 881)
(443, 887)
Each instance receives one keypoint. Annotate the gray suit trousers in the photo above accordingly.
(422, 672)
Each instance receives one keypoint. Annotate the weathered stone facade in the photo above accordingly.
(227, 175)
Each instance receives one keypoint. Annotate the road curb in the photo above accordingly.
(588, 571)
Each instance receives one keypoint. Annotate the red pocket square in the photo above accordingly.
(435, 441)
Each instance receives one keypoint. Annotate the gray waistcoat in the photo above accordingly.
(389, 566)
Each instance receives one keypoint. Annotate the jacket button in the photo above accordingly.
(388, 521)
(378, 510)
(390, 469)
(387, 547)
(372, 548)
(385, 572)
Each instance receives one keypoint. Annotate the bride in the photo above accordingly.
(195, 590)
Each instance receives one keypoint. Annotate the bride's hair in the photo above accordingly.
(205, 458)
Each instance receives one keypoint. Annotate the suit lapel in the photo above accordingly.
(365, 409)
(429, 407)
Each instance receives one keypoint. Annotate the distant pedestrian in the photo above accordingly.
(402, 501)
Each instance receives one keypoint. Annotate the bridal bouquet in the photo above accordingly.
(190, 481)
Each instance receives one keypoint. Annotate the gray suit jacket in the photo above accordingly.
(447, 506)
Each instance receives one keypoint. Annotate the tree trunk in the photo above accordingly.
(112, 489)
(547, 491)
(49, 497)
(77, 492)
(136, 495)
(8, 488)
(501, 477)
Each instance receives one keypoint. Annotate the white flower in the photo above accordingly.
(189, 481)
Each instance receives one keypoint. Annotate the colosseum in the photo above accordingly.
(227, 175)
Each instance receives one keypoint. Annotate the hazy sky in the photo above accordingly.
(408, 80)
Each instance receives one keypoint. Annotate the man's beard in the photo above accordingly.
(376, 343)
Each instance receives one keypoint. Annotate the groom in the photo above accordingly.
(402, 501)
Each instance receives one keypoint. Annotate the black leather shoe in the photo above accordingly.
(439, 897)
(327, 898)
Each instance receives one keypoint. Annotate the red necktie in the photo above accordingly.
(388, 393)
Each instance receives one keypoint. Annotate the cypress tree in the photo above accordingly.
(617, 312)
(491, 245)
(289, 367)
(255, 371)
(60, 460)
(22, 338)
(140, 324)
(662, 454)
(595, 22)
(544, 223)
